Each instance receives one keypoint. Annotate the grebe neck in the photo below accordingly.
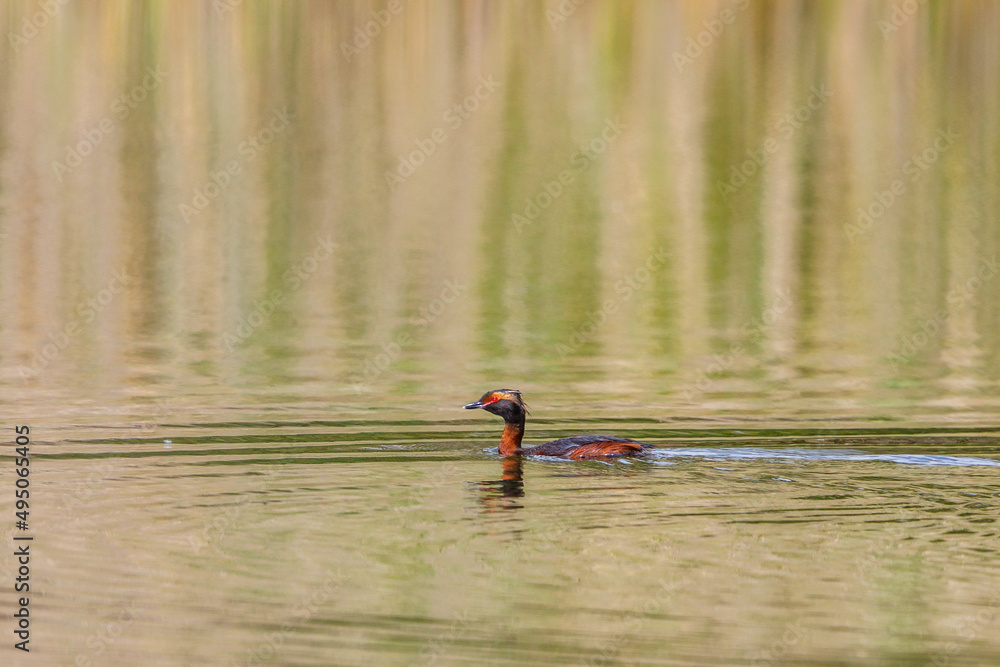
(510, 441)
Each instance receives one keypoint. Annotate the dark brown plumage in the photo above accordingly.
(507, 403)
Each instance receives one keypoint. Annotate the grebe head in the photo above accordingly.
(506, 403)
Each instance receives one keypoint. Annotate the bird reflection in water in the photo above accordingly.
(500, 494)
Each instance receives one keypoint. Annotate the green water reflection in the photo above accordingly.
(275, 246)
(803, 208)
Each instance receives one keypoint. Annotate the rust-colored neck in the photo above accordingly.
(510, 441)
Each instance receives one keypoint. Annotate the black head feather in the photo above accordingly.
(506, 403)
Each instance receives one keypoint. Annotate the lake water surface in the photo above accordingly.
(254, 257)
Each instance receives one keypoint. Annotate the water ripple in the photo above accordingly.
(753, 454)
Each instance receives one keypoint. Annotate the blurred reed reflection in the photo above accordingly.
(711, 207)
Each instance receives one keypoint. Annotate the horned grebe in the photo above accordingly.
(507, 403)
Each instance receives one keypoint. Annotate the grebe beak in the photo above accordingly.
(473, 406)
